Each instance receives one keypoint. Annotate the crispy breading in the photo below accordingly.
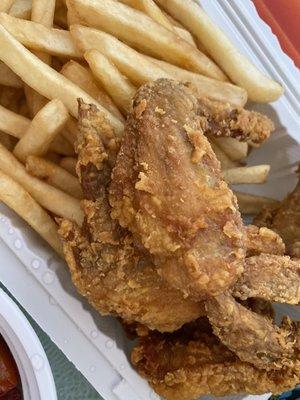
(263, 240)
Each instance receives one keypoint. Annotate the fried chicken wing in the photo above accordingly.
(115, 276)
(270, 277)
(191, 363)
(252, 337)
(286, 221)
(168, 191)
(263, 240)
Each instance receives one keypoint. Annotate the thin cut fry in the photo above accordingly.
(251, 204)
(19, 200)
(57, 42)
(21, 9)
(241, 71)
(140, 31)
(43, 12)
(43, 129)
(150, 8)
(54, 175)
(82, 77)
(5, 5)
(211, 88)
(128, 61)
(225, 161)
(45, 79)
(8, 77)
(239, 175)
(54, 200)
(116, 85)
(235, 149)
(186, 35)
(69, 163)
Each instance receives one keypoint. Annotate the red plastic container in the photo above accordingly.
(283, 16)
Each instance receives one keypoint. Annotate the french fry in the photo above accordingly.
(150, 8)
(235, 149)
(186, 35)
(82, 77)
(5, 5)
(69, 164)
(115, 84)
(252, 204)
(21, 9)
(225, 161)
(57, 42)
(19, 200)
(211, 88)
(45, 79)
(43, 12)
(54, 175)
(12, 123)
(8, 77)
(54, 200)
(43, 129)
(129, 62)
(240, 70)
(62, 146)
(71, 131)
(241, 175)
(140, 31)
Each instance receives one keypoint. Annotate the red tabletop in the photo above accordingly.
(283, 16)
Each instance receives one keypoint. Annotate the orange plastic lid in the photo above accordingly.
(283, 16)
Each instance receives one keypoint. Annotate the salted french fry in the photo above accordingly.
(54, 200)
(129, 62)
(225, 161)
(115, 84)
(5, 5)
(211, 88)
(150, 8)
(54, 175)
(12, 123)
(69, 164)
(45, 79)
(235, 149)
(42, 130)
(57, 42)
(140, 31)
(240, 70)
(82, 77)
(251, 204)
(21, 9)
(8, 77)
(20, 201)
(242, 175)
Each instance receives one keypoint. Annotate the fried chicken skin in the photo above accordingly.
(115, 276)
(286, 221)
(167, 189)
(263, 240)
(193, 362)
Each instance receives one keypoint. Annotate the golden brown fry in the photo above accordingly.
(69, 164)
(205, 87)
(240, 70)
(238, 175)
(115, 84)
(252, 204)
(46, 80)
(8, 77)
(43, 129)
(54, 175)
(54, 200)
(225, 161)
(19, 200)
(21, 9)
(53, 41)
(140, 31)
(82, 77)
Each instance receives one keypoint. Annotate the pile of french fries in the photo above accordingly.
(53, 52)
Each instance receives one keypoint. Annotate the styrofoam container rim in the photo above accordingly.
(35, 372)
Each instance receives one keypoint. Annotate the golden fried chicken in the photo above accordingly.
(286, 221)
(263, 240)
(167, 189)
(192, 362)
(115, 276)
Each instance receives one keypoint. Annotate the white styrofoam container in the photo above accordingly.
(41, 283)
